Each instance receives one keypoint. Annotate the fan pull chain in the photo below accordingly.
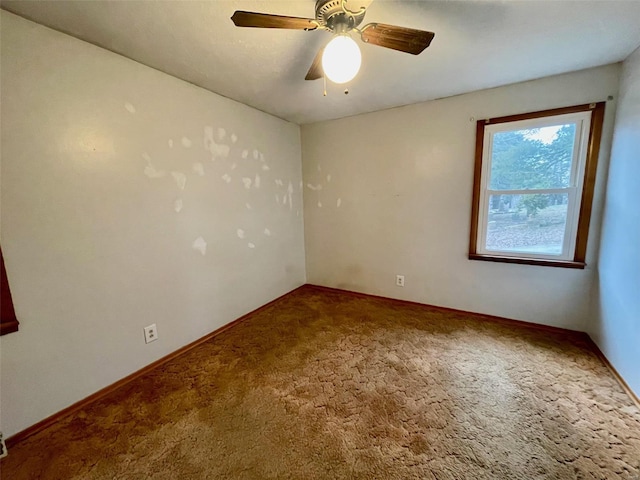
(324, 80)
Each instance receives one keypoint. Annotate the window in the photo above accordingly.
(8, 320)
(533, 186)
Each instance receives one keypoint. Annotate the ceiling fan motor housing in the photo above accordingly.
(332, 15)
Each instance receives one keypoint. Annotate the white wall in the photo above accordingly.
(390, 193)
(94, 247)
(616, 307)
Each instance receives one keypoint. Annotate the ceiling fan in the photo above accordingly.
(340, 59)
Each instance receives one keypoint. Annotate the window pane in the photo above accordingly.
(531, 223)
(532, 158)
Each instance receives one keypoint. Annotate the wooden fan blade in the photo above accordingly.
(402, 39)
(316, 72)
(266, 20)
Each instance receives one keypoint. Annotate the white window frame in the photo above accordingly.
(589, 119)
(582, 121)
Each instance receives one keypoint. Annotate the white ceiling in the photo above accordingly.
(478, 44)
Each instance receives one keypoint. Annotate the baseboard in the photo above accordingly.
(484, 316)
(612, 369)
(47, 422)
(56, 417)
(508, 321)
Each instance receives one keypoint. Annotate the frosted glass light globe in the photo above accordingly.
(341, 59)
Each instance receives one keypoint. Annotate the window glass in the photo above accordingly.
(530, 223)
(532, 158)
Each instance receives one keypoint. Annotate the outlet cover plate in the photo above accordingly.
(150, 333)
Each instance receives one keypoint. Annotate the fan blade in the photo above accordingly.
(265, 20)
(315, 71)
(403, 39)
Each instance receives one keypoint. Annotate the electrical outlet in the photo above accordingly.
(400, 280)
(150, 333)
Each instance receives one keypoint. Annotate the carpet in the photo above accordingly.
(330, 385)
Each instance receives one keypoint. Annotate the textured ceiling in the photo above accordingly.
(478, 44)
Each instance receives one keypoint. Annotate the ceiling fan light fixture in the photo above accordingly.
(341, 59)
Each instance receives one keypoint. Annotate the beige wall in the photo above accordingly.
(616, 301)
(389, 193)
(98, 155)
(114, 176)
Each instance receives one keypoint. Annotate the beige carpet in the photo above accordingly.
(327, 385)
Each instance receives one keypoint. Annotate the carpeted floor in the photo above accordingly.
(328, 385)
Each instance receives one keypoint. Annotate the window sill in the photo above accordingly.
(528, 261)
(8, 327)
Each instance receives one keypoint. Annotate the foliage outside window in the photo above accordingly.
(533, 186)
